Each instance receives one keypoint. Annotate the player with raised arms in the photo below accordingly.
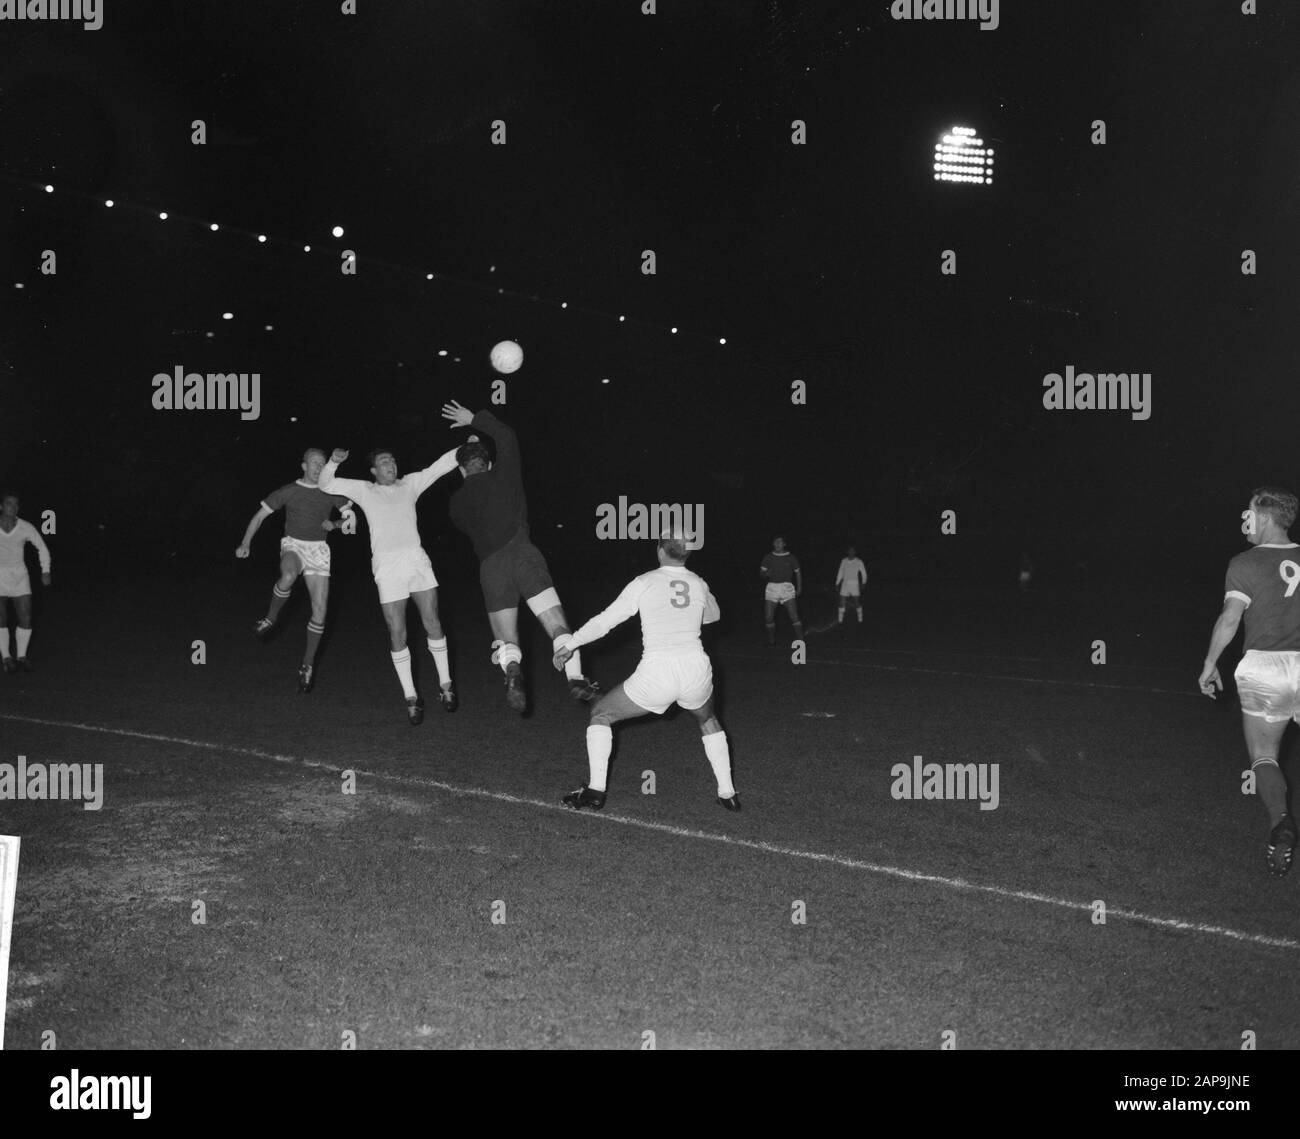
(304, 552)
(673, 603)
(1263, 587)
(490, 507)
(401, 567)
(15, 583)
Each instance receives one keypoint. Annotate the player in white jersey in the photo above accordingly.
(15, 584)
(401, 567)
(673, 603)
(850, 579)
(1263, 588)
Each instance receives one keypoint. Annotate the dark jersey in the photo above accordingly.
(780, 567)
(490, 507)
(305, 508)
(1267, 578)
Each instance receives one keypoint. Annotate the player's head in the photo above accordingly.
(383, 465)
(9, 505)
(473, 458)
(1273, 510)
(313, 460)
(778, 544)
(672, 550)
(852, 553)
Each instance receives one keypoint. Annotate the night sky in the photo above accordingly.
(669, 132)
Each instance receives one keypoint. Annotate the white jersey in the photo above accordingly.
(12, 543)
(390, 510)
(673, 603)
(852, 570)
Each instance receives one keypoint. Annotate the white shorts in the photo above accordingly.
(1268, 685)
(663, 680)
(15, 582)
(315, 556)
(780, 592)
(850, 589)
(401, 574)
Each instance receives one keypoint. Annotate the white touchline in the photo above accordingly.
(977, 675)
(9, 845)
(683, 832)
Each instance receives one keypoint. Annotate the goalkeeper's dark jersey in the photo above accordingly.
(490, 507)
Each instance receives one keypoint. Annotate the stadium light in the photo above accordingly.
(961, 156)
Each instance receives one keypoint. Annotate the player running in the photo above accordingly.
(780, 569)
(401, 567)
(490, 506)
(1262, 584)
(850, 579)
(673, 603)
(304, 552)
(15, 583)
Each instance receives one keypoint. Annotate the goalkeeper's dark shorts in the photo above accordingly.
(514, 573)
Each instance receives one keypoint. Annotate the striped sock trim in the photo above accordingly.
(312, 627)
(1264, 759)
(279, 592)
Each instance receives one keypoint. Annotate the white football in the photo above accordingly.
(507, 356)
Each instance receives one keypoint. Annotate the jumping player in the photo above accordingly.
(15, 583)
(304, 552)
(780, 569)
(401, 567)
(850, 579)
(673, 603)
(1262, 584)
(490, 506)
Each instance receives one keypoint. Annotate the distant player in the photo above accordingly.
(780, 569)
(673, 603)
(304, 552)
(1263, 584)
(490, 506)
(401, 567)
(15, 584)
(850, 579)
(1026, 572)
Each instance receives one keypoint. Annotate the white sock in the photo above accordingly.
(572, 666)
(715, 747)
(600, 742)
(402, 662)
(24, 638)
(841, 614)
(439, 650)
(4, 642)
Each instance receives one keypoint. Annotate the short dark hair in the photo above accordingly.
(674, 547)
(315, 451)
(472, 454)
(373, 455)
(1279, 504)
(10, 494)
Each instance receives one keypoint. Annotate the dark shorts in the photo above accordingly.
(514, 573)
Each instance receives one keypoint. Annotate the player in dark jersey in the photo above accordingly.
(780, 569)
(303, 551)
(490, 506)
(1263, 587)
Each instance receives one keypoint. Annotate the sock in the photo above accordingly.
(314, 632)
(1270, 784)
(572, 666)
(771, 633)
(715, 747)
(402, 662)
(277, 603)
(24, 637)
(505, 654)
(798, 630)
(600, 742)
(841, 618)
(859, 614)
(439, 651)
(4, 642)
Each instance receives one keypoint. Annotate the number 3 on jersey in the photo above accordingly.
(1290, 572)
(681, 598)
